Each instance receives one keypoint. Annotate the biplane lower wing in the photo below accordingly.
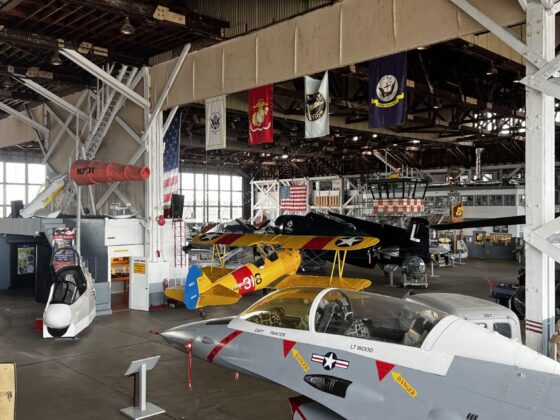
(297, 280)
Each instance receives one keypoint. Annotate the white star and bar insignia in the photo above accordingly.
(330, 361)
(348, 241)
(210, 236)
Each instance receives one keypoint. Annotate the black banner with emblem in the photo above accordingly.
(387, 91)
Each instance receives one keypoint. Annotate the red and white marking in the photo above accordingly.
(329, 361)
(245, 280)
(534, 326)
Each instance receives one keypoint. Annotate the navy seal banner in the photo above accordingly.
(387, 91)
(316, 107)
(216, 123)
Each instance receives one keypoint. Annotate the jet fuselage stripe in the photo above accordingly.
(222, 344)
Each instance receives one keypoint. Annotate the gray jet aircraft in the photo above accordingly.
(366, 356)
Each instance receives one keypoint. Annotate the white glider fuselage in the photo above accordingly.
(71, 306)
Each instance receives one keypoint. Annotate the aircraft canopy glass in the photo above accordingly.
(287, 308)
(69, 286)
(374, 317)
(349, 313)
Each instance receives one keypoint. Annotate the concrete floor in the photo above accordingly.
(83, 379)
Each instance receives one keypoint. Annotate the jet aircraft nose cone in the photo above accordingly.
(179, 336)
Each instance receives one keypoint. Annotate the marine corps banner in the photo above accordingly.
(260, 115)
(317, 107)
(387, 91)
(216, 123)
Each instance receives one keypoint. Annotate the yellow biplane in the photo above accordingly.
(276, 267)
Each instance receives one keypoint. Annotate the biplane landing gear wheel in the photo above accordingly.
(203, 314)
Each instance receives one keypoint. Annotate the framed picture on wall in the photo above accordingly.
(25, 259)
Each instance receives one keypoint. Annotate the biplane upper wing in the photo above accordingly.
(318, 243)
(297, 280)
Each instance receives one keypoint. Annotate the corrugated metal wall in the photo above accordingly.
(246, 15)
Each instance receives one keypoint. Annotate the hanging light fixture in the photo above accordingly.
(55, 59)
(127, 28)
(491, 69)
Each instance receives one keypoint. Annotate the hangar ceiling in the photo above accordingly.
(461, 96)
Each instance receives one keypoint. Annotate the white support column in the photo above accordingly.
(154, 198)
(539, 187)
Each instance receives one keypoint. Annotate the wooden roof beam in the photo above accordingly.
(161, 15)
(24, 38)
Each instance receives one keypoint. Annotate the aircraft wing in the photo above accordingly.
(389, 235)
(318, 243)
(479, 223)
(298, 280)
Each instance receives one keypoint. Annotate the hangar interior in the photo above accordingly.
(364, 191)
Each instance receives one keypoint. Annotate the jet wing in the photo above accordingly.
(298, 280)
(318, 243)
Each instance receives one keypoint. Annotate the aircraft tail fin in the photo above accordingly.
(419, 236)
(196, 283)
(200, 291)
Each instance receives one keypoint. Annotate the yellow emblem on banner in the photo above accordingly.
(300, 360)
(394, 102)
(398, 378)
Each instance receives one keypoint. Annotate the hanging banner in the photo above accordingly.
(216, 123)
(387, 91)
(63, 238)
(260, 115)
(317, 107)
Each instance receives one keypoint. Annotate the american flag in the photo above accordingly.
(293, 197)
(171, 141)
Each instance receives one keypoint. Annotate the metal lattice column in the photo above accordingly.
(179, 235)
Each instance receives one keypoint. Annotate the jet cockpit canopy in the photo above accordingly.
(69, 280)
(347, 313)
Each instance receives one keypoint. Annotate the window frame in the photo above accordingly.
(5, 160)
(204, 210)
